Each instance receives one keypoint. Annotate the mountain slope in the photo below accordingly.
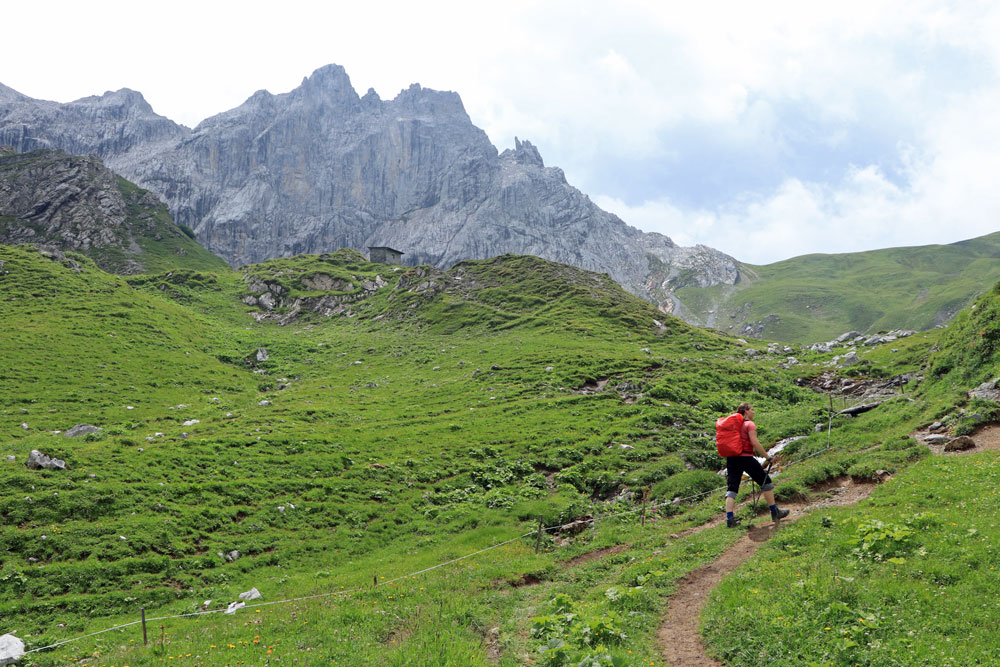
(321, 168)
(76, 204)
(816, 297)
(384, 449)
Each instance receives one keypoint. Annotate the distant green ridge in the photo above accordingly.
(817, 297)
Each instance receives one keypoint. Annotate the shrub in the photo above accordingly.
(686, 484)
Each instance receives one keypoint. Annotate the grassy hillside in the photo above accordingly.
(817, 297)
(898, 580)
(400, 418)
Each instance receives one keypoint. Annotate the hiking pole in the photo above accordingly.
(759, 488)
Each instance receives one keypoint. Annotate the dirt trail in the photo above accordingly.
(678, 634)
(986, 438)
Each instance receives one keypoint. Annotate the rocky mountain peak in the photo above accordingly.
(10, 95)
(319, 168)
(126, 101)
(430, 103)
(524, 153)
(328, 85)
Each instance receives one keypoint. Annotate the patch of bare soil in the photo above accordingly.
(526, 580)
(492, 640)
(987, 438)
(678, 634)
(594, 555)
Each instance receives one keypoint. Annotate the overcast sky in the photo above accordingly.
(766, 130)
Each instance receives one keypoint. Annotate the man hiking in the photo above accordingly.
(739, 447)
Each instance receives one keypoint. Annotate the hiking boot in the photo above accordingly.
(780, 514)
(732, 523)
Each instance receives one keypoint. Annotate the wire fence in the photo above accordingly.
(537, 532)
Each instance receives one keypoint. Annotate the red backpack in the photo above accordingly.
(727, 435)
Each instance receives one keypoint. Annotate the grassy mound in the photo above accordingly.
(817, 297)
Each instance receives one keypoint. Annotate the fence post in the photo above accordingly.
(829, 425)
(144, 641)
(538, 540)
(374, 580)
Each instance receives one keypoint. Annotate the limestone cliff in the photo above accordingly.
(320, 168)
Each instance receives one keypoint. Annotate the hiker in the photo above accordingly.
(740, 458)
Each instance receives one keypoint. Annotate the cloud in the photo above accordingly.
(948, 194)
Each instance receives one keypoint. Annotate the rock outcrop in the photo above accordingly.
(65, 202)
(37, 461)
(320, 168)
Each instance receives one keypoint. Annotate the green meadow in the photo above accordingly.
(382, 461)
(818, 297)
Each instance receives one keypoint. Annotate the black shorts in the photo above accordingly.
(737, 465)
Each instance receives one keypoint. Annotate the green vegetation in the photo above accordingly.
(400, 419)
(900, 579)
(817, 297)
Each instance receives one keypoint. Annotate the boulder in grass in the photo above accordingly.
(233, 606)
(989, 391)
(960, 444)
(252, 594)
(37, 461)
(11, 649)
(81, 429)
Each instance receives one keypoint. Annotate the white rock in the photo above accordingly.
(11, 649)
(25, 427)
(233, 606)
(191, 422)
(264, 402)
(252, 594)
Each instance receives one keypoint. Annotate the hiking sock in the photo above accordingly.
(774, 508)
(729, 516)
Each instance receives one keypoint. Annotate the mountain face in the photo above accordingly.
(67, 202)
(320, 168)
